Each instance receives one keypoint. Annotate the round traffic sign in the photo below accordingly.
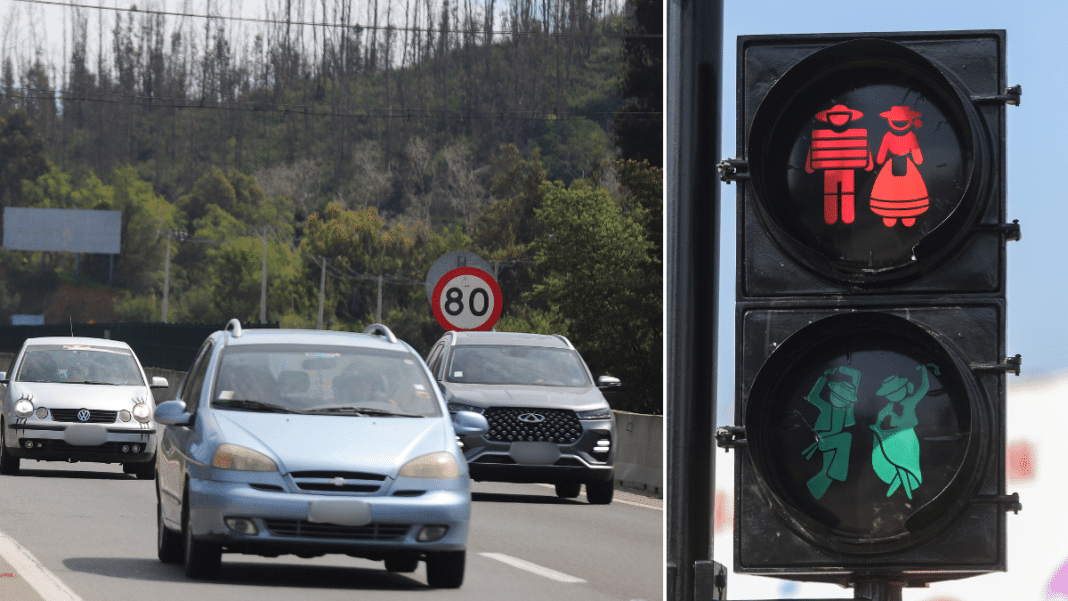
(869, 165)
(467, 298)
(869, 435)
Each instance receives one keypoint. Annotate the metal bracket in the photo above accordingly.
(1010, 364)
(1011, 96)
(730, 437)
(710, 580)
(1007, 502)
(731, 170)
(1011, 231)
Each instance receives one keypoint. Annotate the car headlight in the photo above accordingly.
(605, 413)
(232, 457)
(124, 416)
(23, 408)
(454, 407)
(439, 465)
(142, 412)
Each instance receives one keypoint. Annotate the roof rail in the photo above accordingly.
(377, 329)
(234, 327)
(566, 341)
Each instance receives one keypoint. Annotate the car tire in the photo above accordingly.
(9, 465)
(600, 492)
(404, 564)
(202, 559)
(445, 569)
(142, 470)
(568, 490)
(168, 542)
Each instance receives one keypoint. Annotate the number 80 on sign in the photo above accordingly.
(467, 298)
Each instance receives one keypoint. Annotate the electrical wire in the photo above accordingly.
(261, 20)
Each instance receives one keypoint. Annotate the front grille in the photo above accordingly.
(339, 482)
(95, 416)
(560, 426)
(305, 529)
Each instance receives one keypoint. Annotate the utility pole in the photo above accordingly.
(166, 277)
(263, 281)
(322, 293)
(378, 309)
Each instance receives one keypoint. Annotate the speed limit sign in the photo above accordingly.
(467, 298)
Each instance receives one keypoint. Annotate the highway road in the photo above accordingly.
(86, 532)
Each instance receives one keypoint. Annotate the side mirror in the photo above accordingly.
(469, 423)
(608, 383)
(173, 413)
(158, 382)
(3, 377)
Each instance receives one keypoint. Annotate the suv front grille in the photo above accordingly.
(95, 416)
(514, 424)
(305, 529)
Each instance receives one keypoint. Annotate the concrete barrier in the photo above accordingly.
(640, 452)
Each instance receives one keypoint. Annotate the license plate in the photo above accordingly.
(343, 512)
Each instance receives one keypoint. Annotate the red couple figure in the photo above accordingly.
(838, 152)
(899, 191)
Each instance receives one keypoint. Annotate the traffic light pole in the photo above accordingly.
(693, 46)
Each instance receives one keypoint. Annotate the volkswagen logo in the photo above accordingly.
(83, 415)
(339, 481)
(531, 418)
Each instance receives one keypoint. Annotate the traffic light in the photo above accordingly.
(870, 315)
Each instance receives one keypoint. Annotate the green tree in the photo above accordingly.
(21, 156)
(638, 125)
(602, 276)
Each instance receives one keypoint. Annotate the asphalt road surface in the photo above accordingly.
(86, 532)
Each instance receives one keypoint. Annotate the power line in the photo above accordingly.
(261, 20)
(316, 110)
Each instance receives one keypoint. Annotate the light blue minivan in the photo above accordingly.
(312, 442)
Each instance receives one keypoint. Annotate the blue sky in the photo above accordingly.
(1036, 41)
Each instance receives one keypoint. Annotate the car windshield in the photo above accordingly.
(80, 364)
(522, 365)
(328, 380)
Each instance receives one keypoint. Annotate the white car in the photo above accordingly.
(78, 399)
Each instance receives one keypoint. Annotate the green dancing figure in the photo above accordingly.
(895, 455)
(836, 414)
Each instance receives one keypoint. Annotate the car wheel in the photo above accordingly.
(402, 563)
(568, 490)
(9, 465)
(202, 559)
(445, 569)
(143, 471)
(599, 492)
(168, 542)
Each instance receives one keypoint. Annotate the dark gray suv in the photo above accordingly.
(548, 421)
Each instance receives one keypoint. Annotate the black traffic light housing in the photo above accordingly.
(870, 315)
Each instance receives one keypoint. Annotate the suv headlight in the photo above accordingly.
(439, 465)
(23, 408)
(142, 413)
(605, 413)
(454, 407)
(232, 457)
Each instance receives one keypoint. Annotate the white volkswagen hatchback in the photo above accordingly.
(78, 399)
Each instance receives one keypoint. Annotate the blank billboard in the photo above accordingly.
(63, 230)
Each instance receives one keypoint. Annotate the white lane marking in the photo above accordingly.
(534, 568)
(33, 573)
(624, 501)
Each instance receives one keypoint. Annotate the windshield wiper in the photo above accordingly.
(364, 412)
(250, 405)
